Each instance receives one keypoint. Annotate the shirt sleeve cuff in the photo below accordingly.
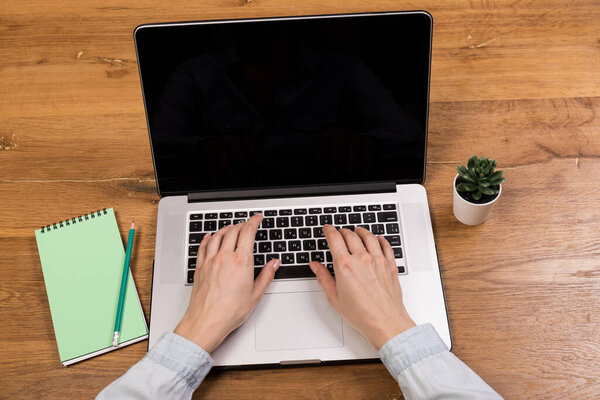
(410, 347)
(190, 361)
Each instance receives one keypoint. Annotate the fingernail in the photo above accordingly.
(312, 268)
(276, 265)
(205, 237)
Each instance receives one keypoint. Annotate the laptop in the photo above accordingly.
(309, 120)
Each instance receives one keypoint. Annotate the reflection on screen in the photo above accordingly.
(297, 102)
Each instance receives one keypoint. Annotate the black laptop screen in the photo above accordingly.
(289, 102)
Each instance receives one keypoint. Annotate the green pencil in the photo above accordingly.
(119, 316)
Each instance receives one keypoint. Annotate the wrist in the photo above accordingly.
(390, 330)
(200, 334)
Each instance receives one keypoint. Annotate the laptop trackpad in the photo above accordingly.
(293, 321)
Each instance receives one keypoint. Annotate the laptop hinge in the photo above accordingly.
(332, 190)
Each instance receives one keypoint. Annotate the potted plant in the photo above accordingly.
(477, 187)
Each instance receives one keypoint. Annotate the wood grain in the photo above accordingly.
(515, 80)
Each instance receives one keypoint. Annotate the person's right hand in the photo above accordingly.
(366, 291)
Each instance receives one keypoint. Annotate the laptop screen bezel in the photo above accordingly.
(324, 186)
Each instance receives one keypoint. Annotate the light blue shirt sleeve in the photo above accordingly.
(424, 368)
(172, 369)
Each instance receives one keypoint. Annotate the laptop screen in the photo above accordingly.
(286, 102)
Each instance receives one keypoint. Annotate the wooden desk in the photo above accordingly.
(515, 80)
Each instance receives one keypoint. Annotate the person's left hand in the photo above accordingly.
(225, 292)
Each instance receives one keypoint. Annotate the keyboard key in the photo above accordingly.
(285, 212)
(238, 221)
(261, 234)
(374, 207)
(401, 269)
(302, 258)
(287, 258)
(196, 226)
(309, 244)
(359, 208)
(349, 227)
(345, 209)
(192, 262)
(226, 215)
(325, 220)
(283, 222)
(251, 213)
(193, 251)
(265, 247)
(275, 234)
(241, 214)
(311, 220)
(190, 276)
(328, 256)
(317, 256)
(377, 229)
(196, 238)
(295, 245)
(224, 222)
(363, 226)
(300, 211)
(389, 206)
(392, 228)
(298, 221)
(291, 233)
(304, 233)
(354, 218)
(387, 216)
(210, 216)
(318, 232)
(194, 217)
(330, 269)
(270, 213)
(294, 271)
(272, 257)
(254, 248)
(280, 246)
(268, 223)
(259, 259)
(315, 210)
(340, 219)
(397, 252)
(322, 244)
(369, 217)
(330, 210)
(210, 226)
(394, 240)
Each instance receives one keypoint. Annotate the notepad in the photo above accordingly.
(82, 261)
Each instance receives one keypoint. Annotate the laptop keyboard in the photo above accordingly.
(294, 235)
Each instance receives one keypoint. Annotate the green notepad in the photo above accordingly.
(82, 260)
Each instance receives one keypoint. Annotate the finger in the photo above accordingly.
(202, 250)
(326, 281)
(335, 241)
(214, 243)
(369, 240)
(353, 242)
(388, 253)
(248, 233)
(231, 237)
(265, 277)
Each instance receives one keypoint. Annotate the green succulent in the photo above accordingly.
(480, 177)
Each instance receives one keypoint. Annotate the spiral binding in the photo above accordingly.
(73, 221)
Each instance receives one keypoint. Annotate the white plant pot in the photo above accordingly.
(472, 213)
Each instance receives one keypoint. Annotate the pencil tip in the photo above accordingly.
(132, 225)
